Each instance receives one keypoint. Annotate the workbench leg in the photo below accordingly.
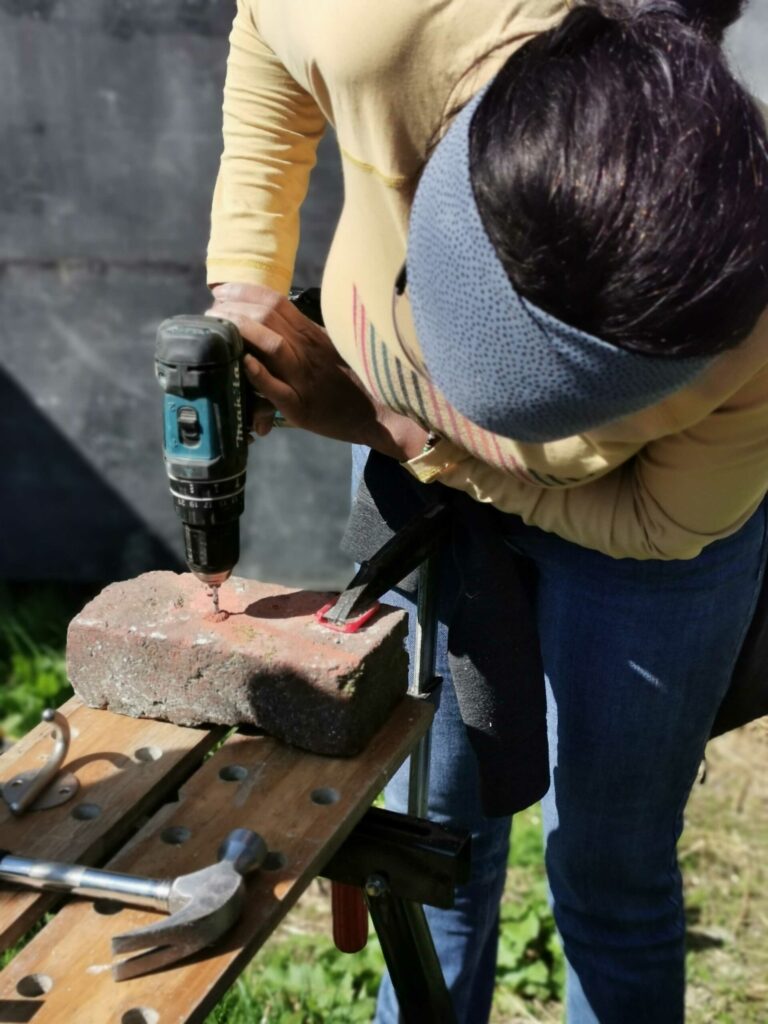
(411, 959)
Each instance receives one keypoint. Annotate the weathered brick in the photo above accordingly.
(149, 647)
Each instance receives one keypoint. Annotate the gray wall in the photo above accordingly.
(109, 134)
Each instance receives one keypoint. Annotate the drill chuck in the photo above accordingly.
(212, 551)
(198, 365)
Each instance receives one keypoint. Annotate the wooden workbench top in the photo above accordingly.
(304, 806)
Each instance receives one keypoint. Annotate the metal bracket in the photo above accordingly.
(402, 862)
(419, 859)
(46, 787)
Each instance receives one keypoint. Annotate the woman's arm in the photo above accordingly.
(271, 127)
(669, 501)
(292, 364)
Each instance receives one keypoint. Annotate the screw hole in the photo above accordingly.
(148, 754)
(140, 1015)
(35, 985)
(233, 773)
(107, 907)
(86, 812)
(274, 861)
(325, 795)
(17, 782)
(63, 790)
(176, 835)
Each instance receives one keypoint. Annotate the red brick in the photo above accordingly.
(149, 648)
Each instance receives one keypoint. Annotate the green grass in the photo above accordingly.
(723, 858)
(33, 623)
(304, 981)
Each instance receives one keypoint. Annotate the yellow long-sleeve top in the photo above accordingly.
(661, 483)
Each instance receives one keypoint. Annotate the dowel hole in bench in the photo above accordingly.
(86, 812)
(325, 795)
(35, 985)
(148, 754)
(233, 773)
(140, 1015)
(107, 907)
(274, 861)
(176, 835)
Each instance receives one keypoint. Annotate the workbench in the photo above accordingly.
(156, 799)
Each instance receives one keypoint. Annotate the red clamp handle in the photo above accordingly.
(350, 917)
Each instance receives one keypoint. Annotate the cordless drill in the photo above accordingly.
(206, 411)
(198, 363)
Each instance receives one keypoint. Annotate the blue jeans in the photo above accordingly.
(637, 658)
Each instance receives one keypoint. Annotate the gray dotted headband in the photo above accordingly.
(502, 362)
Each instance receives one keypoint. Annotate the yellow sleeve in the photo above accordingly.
(271, 127)
(675, 496)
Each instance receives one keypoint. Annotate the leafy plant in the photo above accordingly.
(530, 961)
(304, 981)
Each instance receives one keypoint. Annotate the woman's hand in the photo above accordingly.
(292, 363)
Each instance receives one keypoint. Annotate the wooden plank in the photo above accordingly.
(304, 805)
(126, 768)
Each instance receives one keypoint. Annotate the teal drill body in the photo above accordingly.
(198, 363)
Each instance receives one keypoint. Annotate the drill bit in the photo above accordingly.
(213, 590)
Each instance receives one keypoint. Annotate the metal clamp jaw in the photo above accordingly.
(46, 787)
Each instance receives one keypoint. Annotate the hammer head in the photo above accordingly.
(204, 905)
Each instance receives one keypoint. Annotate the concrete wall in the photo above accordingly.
(109, 134)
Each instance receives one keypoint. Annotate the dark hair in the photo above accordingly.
(622, 175)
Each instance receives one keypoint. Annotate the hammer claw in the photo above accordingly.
(154, 959)
(153, 935)
(171, 938)
(186, 925)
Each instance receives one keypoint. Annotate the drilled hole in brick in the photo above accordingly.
(140, 1015)
(148, 754)
(274, 861)
(17, 782)
(35, 985)
(176, 835)
(233, 773)
(325, 795)
(107, 907)
(86, 812)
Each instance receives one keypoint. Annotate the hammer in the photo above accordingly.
(203, 905)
